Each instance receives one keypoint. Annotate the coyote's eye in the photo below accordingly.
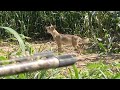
(51, 27)
(47, 27)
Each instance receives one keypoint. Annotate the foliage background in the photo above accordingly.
(102, 26)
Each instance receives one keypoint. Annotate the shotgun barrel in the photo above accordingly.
(52, 62)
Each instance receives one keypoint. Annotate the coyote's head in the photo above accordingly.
(51, 28)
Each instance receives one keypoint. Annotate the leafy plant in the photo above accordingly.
(77, 75)
(16, 35)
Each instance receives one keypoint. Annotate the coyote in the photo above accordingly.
(62, 39)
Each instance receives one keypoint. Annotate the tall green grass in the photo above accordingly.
(93, 24)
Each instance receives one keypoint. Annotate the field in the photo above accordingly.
(85, 69)
(23, 32)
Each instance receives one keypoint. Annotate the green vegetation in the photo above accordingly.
(97, 70)
(102, 27)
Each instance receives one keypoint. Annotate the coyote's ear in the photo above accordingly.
(51, 25)
(54, 26)
(46, 27)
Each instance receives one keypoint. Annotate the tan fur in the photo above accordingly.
(68, 39)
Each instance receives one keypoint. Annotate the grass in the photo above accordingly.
(91, 70)
(101, 26)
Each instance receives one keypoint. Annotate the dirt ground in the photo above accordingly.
(50, 45)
